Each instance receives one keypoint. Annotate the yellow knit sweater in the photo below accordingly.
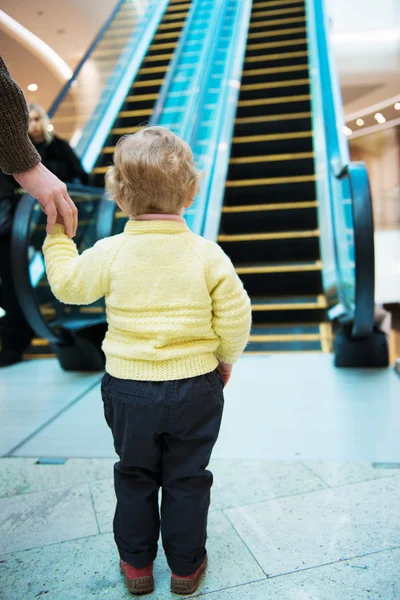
(175, 305)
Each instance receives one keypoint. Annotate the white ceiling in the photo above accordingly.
(370, 62)
(67, 26)
(369, 71)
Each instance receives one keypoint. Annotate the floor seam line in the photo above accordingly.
(332, 487)
(335, 562)
(240, 537)
(93, 506)
(51, 420)
(75, 539)
(315, 474)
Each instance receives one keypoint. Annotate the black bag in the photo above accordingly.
(8, 205)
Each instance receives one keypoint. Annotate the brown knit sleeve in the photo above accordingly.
(17, 153)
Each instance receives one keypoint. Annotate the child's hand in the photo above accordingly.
(225, 370)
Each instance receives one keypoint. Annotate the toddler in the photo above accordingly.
(178, 318)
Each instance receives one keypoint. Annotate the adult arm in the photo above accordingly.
(19, 158)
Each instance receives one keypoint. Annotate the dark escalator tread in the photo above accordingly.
(256, 75)
(270, 194)
(284, 310)
(258, 145)
(303, 245)
(289, 337)
(264, 61)
(294, 216)
(271, 165)
(272, 89)
(268, 124)
(277, 105)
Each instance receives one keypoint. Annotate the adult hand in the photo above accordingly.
(51, 193)
(226, 371)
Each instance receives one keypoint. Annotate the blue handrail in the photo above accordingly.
(64, 91)
(212, 191)
(190, 119)
(160, 103)
(344, 197)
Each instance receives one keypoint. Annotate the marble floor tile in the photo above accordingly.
(373, 577)
(316, 413)
(23, 475)
(26, 404)
(300, 532)
(104, 503)
(342, 473)
(80, 432)
(238, 482)
(235, 483)
(47, 517)
(88, 568)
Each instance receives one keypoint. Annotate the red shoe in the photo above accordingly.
(138, 581)
(190, 583)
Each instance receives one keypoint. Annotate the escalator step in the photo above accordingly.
(269, 48)
(267, 246)
(278, 105)
(250, 91)
(274, 74)
(292, 10)
(284, 33)
(297, 163)
(273, 3)
(290, 216)
(302, 309)
(270, 23)
(284, 123)
(299, 141)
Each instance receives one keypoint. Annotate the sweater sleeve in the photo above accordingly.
(231, 308)
(74, 278)
(17, 153)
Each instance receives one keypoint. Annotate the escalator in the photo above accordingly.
(258, 77)
(269, 222)
(145, 90)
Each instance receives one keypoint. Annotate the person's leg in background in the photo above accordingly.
(15, 332)
(195, 413)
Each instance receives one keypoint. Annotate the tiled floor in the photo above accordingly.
(304, 504)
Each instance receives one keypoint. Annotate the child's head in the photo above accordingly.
(153, 172)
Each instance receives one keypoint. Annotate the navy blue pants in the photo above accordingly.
(164, 433)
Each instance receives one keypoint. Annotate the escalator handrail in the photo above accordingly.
(20, 270)
(190, 123)
(64, 91)
(337, 146)
(160, 103)
(363, 224)
(212, 189)
(106, 112)
(340, 167)
(20, 261)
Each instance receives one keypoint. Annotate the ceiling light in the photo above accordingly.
(360, 122)
(380, 118)
(347, 130)
(50, 127)
(397, 106)
(32, 87)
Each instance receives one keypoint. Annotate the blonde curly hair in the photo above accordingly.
(153, 172)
